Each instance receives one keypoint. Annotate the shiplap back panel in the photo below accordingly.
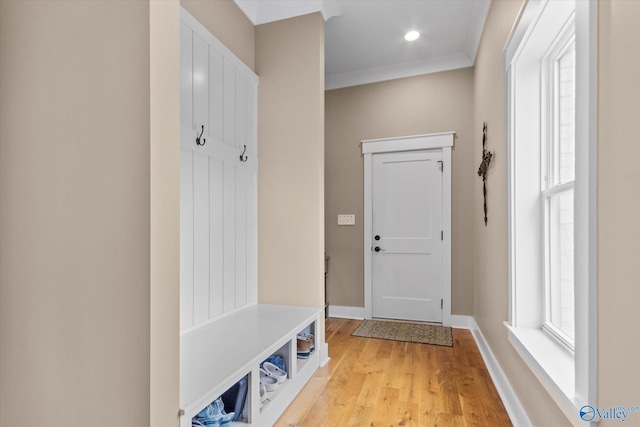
(218, 202)
(186, 238)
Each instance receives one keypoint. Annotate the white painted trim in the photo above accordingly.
(512, 404)
(446, 233)
(544, 355)
(368, 233)
(263, 12)
(408, 143)
(443, 141)
(397, 71)
(347, 312)
(476, 27)
(521, 29)
(463, 322)
(586, 185)
(324, 354)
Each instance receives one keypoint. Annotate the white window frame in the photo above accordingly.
(551, 185)
(548, 326)
(569, 377)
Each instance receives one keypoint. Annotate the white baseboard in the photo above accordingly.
(324, 354)
(463, 322)
(346, 312)
(509, 398)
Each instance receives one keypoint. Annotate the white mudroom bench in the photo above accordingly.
(215, 356)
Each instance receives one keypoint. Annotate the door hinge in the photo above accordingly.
(441, 164)
(441, 234)
(441, 304)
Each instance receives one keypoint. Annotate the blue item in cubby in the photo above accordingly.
(235, 397)
(213, 415)
(278, 361)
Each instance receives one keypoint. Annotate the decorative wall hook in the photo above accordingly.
(199, 138)
(484, 167)
(243, 158)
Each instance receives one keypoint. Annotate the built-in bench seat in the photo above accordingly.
(215, 356)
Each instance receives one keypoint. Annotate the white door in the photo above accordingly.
(407, 235)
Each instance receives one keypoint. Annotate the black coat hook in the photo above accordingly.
(243, 158)
(200, 136)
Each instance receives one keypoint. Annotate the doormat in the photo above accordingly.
(407, 332)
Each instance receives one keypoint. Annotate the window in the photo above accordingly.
(558, 170)
(549, 64)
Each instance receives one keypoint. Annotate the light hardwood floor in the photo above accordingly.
(371, 382)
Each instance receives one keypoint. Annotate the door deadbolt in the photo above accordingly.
(377, 237)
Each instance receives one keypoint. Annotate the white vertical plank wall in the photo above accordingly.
(241, 109)
(186, 238)
(229, 236)
(241, 237)
(200, 86)
(186, 83)
(218, 231)
(252, 238)
(216, 94)
(201, 236)
(216, 262)
(229, 79)
(219, 241)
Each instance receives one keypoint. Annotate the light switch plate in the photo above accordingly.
(346, 219)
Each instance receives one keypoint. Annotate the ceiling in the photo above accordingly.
(364, 39)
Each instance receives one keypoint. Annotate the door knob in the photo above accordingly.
(378, 249)
(377, 237)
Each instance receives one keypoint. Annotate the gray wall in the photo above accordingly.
(290, 63)
(618, 235)
(74, 217)
(425, 104)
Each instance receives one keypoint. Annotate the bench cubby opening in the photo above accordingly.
(217, 355)
(230, 408)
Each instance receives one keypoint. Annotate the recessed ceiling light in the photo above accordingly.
(411, 36)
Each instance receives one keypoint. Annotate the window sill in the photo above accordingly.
(551, 363)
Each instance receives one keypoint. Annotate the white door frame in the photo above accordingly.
(435, 141)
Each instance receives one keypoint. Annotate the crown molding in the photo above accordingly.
(262, 12)
(398, 71)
